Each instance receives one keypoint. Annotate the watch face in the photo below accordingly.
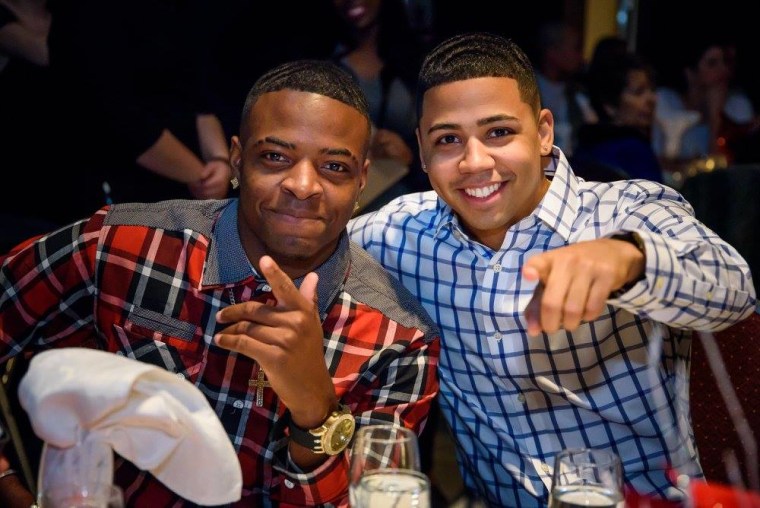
(338, 437)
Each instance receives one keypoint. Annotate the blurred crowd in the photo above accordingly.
(136, 101)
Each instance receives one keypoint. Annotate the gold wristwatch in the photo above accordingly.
(332, 437)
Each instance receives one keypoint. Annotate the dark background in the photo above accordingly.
(664, 28)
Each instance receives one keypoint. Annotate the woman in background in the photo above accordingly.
(379, 47)
(622, 93)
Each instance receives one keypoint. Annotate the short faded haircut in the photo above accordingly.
(313, 76)
(478, 55)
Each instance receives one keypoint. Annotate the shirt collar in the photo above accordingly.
(557, 209)
(227, 263)
(559, 206)
(445, 217)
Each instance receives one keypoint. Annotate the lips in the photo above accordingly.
(297, 214)
(293, 216)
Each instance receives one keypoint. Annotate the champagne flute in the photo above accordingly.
(586, 477)
(80, 476)
(385, 469)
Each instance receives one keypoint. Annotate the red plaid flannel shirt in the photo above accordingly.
(147, 280)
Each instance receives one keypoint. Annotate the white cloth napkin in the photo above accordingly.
(160, 422)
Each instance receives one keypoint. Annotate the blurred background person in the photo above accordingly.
(135, 75)
(378, 45)
(24, 26)
(24, 104)
(744, 135)
(559, 67)
(703, 85)
(622, 92)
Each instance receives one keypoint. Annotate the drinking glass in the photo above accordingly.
(397, 488)
(80, 476)
(78, 496)
(385, 465)
(586, 477)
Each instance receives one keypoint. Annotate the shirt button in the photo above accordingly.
(497, 267)
(266, 288)
(545, 467)
(497, 335)
(521, 398)
(238, 404)
(289, 484)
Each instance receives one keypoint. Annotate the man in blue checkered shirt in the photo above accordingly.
(566, 307)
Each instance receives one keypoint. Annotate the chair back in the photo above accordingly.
(716, 432)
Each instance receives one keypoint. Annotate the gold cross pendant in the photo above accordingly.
(260, 382)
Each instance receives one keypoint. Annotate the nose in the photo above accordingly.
(476, 157)
(302, 180)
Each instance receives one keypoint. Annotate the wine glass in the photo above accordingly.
(385, 469)
(80, 476)
(77, 496)
(586, 477)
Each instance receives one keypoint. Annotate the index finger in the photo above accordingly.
(283, 289)
(537, 268)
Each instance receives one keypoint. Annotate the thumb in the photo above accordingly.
(308, 287)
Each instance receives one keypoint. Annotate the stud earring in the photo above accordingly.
(235, 183)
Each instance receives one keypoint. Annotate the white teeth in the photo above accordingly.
(482, 192)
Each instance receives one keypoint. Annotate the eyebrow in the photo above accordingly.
(483, 121)
(276, 141)
(285, 144)
(339, 151)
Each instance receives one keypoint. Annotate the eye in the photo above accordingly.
(500, 132)
(336, 167)
(447, 139)
(273, 157)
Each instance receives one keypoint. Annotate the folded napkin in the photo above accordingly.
(160, 422)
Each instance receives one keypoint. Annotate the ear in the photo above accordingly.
(236, 156)
(363, 176)
(419, 151)
(545, 131)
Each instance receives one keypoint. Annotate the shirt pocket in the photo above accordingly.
(170, 343)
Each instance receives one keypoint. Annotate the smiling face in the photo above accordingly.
(482, 146)
(301, 162)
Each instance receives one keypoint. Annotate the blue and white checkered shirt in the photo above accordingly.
(619, 382)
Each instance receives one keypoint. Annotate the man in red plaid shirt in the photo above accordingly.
(261, 302)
